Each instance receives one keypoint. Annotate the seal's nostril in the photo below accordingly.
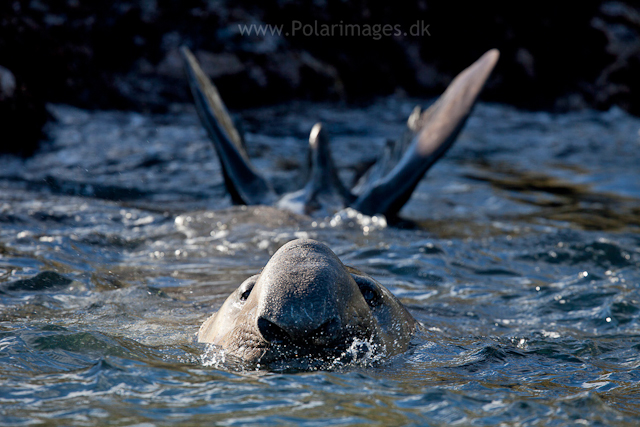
(323, 335)
(327, 332)
(271, 332)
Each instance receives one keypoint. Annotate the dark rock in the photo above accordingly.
(123, 55)
(7, 84)
(171, 65)
(22, 116)
(221, 64)
(618, 82)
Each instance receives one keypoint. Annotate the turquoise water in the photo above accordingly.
(521, 259)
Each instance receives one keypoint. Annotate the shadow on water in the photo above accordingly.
(576, 204)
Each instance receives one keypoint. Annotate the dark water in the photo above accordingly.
(117, 241)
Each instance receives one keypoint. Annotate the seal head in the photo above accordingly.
(307, 304)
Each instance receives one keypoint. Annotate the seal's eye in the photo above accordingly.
(245, 294)
(246, 288)
(370, 293)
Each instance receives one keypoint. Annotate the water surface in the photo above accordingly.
(521, 257)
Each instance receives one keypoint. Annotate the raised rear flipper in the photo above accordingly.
(438, 127)
(391, 154)
(244, 184)
(386, 187)
(324, 193)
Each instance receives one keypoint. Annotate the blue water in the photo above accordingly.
(521, 258)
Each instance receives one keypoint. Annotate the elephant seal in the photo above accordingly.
(307, 305)
(383, 189)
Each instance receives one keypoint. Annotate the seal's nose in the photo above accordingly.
(306, 297)
(298, 332)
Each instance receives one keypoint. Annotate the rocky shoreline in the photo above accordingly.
(124, 54)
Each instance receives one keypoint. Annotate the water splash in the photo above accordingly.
(351, 218)
(214, 356)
